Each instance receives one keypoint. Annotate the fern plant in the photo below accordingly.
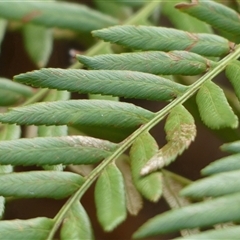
(99, 131)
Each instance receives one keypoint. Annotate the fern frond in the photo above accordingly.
(155, 62)
(164, 39)
(83, 112)
(56, 14)
(216, 14)
(127, 84)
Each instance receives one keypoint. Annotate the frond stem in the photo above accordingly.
(124, 145)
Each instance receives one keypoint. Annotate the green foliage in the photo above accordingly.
(36, 228)
(110, 198)
(56, 14)
(66, 150)
(12, 93)
(197, 215)
(181, 62)
(164, 39)
(38, 43)
(76, 225)
(215, 14)
(98, 132)
(143, 149)
(127, 84)
(214, 108)
(232, 73)
(75, 112)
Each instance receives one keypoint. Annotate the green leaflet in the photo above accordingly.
(12, 92)
(233, 74)
(9, 132)
(65, 150)
(181, 131)
(2, 206)
(187, 22)
(38, 43)
(54, 131)
(164, 39)
(9, 98)
(204, 214)
(40, 184)
(143, 148)
(118, 83)
(233, 147)
(216, 14)
(114, 9)
(214, 186)
(110, 198)
(131, 3)
(134, 200)
(229, 163)
(71, 16)
(35, 228)
(213, 107)
(76, 225)
(181, 62)
(83, 112)
(11, 86)
(3, 24)
(227, 233)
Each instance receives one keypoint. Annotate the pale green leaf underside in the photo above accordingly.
(82, 112)
(38, 41)
(2, 206)
(187, 23)
(181, 131)
(233, 74)
(219, 210)
(213, 107)
(39, 184)
(56, 14)
(7, 84)
(155, 62)
(224, 234)
(9, 132)
(164, 39)
(229, 163)
(36, 228)
(131, 3)
(110, 198)
(12, 92)
(214, 186)
(9, 98)
(3, 25)
(233, 147)
(216, 14)
(65, 150)
(55, 95)
(54, 131)
(143, 148)
(76, 225)
(114, 82)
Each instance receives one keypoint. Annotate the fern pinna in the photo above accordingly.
(154, 68)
